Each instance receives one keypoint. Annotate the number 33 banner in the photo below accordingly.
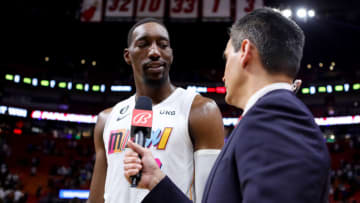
(184, 8)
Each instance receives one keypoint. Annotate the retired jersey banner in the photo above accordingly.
(91, 11)
(244, 7)
(116, 9)
(150, 8)
(123, 10)
(216, 9)
(184, 9)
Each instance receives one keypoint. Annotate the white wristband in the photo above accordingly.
(204, 161)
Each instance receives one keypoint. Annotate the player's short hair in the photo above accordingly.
(140, 22)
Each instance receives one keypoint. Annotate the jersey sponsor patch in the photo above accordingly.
(167, 112)
(142, 118)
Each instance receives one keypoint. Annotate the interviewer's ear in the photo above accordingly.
(296, 85)
(246, 52)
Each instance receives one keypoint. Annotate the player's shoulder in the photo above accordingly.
(201, 103)
(204, 110)
(205, 124)
(103, 115)
(105, 112)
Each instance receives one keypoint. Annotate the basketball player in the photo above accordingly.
(187, 128)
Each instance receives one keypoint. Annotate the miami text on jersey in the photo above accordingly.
(118, 139)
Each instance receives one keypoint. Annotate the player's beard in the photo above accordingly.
(155, 83)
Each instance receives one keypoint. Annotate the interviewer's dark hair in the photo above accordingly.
(279, 40)
(140, 22)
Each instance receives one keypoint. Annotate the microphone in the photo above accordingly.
(141, 123)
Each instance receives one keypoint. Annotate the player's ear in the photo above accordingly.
(127, 56)
(172, 56)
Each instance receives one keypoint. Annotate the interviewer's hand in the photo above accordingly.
(151, 174)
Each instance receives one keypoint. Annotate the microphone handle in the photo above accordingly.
(139, 139)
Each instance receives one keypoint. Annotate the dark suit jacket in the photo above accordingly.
(276, 154)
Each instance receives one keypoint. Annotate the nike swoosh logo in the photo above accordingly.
(122, 117)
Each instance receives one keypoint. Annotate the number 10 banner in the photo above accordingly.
(151, 8)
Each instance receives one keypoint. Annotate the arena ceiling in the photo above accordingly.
(35, 29)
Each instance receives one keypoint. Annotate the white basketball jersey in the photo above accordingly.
(170, 145)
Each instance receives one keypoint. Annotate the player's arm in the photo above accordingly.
(99, 174)
(207, 133)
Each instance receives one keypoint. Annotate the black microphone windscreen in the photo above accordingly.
(144, 103)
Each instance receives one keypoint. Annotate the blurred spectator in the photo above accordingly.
(75, 159)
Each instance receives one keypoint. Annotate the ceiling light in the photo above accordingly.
(311, 13)
(301, 13)
(287, 13)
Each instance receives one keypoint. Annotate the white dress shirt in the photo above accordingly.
(261, 92)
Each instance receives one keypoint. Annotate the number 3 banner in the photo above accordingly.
(216, 9)
(184, 8)
(246, 6)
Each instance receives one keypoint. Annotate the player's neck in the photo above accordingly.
(157, 94)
